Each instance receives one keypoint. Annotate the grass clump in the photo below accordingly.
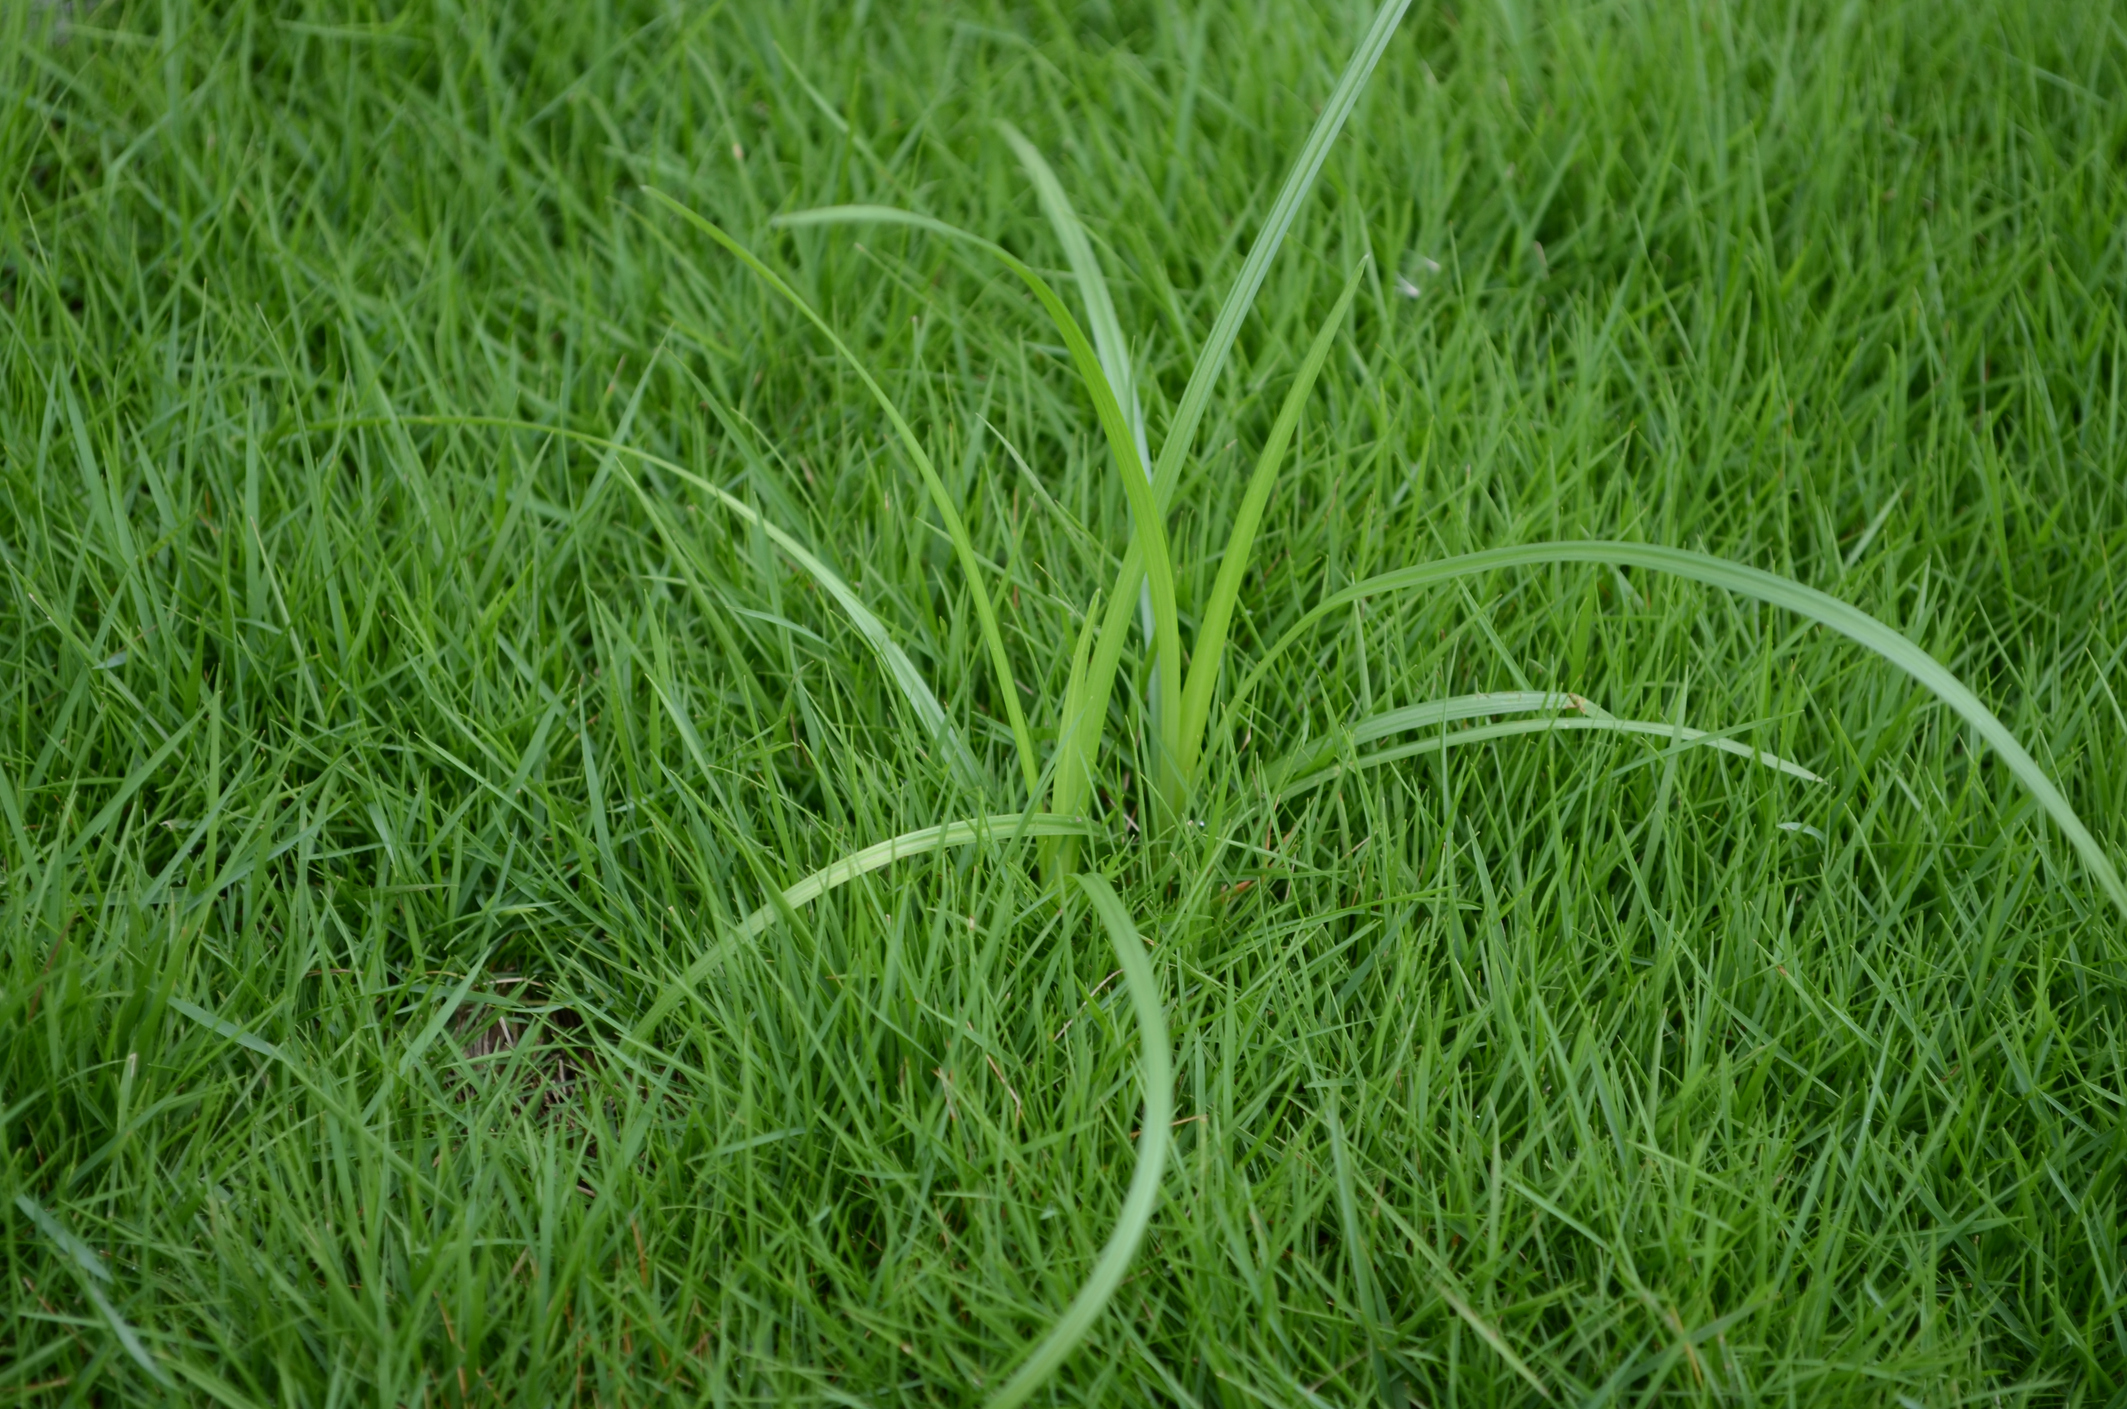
(572, 805)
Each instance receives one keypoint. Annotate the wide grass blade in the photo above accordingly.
(1063, 856)
(1101, 322)
(127, 1336)
(1196, 396)
(92, 1271)
(963, 545)
(1430, 714)
(77, 1252)
(921, 842)
(1849, 621)
(1685, 737)
(1218, 610)
(1107, 330)
(1079, 744)
(1155, 1133)
(1433, 713)
(1148, 529)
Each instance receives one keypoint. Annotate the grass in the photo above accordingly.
(472, 645)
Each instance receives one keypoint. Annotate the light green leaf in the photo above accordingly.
(1683, 735)
(1108, 339)
(1218, 610)
(128, 1338)
(1101, 321)
(1155, 1132)
(230, 1030)
(1004, 826)
(1849, 621)
(1148, 529)
(1181, 433)
(898, 666)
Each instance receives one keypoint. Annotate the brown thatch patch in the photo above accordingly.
(536, 1046)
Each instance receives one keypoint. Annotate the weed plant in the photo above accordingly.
(622, 783)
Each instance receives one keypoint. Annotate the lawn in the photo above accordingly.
(611, 797)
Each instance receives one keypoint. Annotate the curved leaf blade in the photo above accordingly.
(955, 528)
(1157, 1066)
(903, 672)
(1196, 396)
(1849, 621)
(1101, 322)
(1149, 547)
(895, 661)
(921, 842)
(1683, 735)
(1108, 340)
(1240, 542)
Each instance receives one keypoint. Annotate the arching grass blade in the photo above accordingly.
(1107, 331)
(955, 529)
(899, 668)
(1849, 621)
(1148, 530)
(1241, 297)
(1685, 737)
(921, 842)
(1218, 609)
(1155, 1133)
(1101, 322)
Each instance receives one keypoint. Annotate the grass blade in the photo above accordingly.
(1079, 741)
(84, 1260)
(1684, 736)
(1431, 714)
(1356, 1255)
(1494, 1339)
(1108, 340)
(895, 660)
(1242, 296)
(1218, 610)
(1064, 857)
(1156, 1131)
(921, 842)
(903, 672)
(1148, 529)
(955, 528)
(1849, 621)
(127, 1336)
(78, 1252)
(443, 1015)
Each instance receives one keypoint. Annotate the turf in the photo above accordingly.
(380, 745)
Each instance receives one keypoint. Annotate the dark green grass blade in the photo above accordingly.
(955, 528)
(1155, 1134)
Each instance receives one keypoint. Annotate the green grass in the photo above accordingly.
(471, 646)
